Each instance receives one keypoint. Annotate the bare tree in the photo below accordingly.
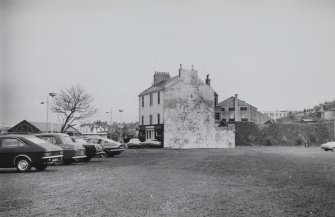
(72, 105)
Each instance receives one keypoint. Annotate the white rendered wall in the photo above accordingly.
(153, 109)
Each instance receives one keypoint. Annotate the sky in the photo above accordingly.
(276, 55)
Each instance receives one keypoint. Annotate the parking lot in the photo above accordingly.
(246, 181)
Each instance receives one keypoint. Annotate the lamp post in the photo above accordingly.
(121, 138)
(111, 115)
(52, 95)
(110, 129)
(47, 102)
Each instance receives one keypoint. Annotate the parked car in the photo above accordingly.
(111, 147)
(72, 151)
(91, 149)
(134, 143)
(152, 143)
(328, 146)
(26, 151)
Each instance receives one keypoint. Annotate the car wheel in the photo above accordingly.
(333, 149)
(41, 167)
(67, 161)
(23, 164)
(87, 159)
(110, 154)
(326, 149)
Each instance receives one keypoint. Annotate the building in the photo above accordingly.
(276, 114)
(234, 110)
(179, 112)
(325, 111)
(97, 128)
(30, 127)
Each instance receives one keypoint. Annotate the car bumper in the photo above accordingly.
(79, 157)
(108, 150)
(52, 159)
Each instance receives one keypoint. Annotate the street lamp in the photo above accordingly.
(120, 110)
(47, 102)
(52, 95)
(111, 112)
(110, 129)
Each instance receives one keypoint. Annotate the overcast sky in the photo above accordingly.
(274, 54)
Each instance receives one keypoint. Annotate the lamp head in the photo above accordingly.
(52, 94)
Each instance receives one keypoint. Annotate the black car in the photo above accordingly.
(72, 151)
(26, 151)
(91, 149)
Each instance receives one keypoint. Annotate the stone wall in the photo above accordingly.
(189, 115)
(283, 134)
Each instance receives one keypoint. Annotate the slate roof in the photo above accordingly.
(159, 86)
(42, 126)
(230, 102)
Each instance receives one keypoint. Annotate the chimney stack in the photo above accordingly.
(237, 109)
(180, 68)
(161, 76)
(208, 81)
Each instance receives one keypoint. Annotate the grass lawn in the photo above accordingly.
(245, 181)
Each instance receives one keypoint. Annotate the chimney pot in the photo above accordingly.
(208, 81)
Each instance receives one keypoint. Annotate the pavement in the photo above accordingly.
(245, 181)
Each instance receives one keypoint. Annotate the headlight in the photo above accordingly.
(47, 154)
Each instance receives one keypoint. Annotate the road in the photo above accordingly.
(246, 181)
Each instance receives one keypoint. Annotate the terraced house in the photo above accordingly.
(179, 112)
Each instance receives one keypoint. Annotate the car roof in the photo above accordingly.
(17, 135)
(50, 134)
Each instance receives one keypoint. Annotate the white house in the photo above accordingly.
(179, 112)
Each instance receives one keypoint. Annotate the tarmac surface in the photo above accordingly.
(246, 181)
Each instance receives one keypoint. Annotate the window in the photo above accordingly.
(244, 108)
(158, 118)
(231, 109)
(244, 119)
(142, 101)
(222, 109)
(12, 143)
(217, 116)
(142, 120)
(150, 118)
(231, 120)
(50, 139)
(159, 98)
(94, 141)
(150, 99)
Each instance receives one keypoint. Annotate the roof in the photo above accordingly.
(42, 126)
(159, 86)
(231, 102)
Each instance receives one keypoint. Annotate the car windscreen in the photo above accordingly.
(36, 140)
(67, 139)
(79, 140)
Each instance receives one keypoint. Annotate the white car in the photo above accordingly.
(328, 146)
(152, 143)
(109, 146)
(134, 143)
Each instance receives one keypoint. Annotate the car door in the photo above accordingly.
(9, 149)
